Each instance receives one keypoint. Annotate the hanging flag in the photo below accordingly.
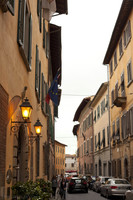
(49, 8)
(53, 91)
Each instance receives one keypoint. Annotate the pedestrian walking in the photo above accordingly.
(54, 186)
(63, 188)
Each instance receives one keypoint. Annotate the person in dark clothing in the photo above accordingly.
(63, 188)
(54, 185)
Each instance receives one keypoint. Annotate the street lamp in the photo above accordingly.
(38, 126)
(26, 109)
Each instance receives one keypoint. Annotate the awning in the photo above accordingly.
(55, 50)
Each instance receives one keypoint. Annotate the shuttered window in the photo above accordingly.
(103, 138)
(47, 45)
(122, 85)
(38, 75)
(44, 34)
(111, 68)
(116, 90)
(115, 59)
(127, 34)
(44, 105)
(131, 120)
(39, 13)
(11, 4)
(129, 72)
(112, 97)
(120, 47)
(24, 36)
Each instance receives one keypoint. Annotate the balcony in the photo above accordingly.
(119, 101)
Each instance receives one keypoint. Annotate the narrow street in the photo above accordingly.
(86, 196)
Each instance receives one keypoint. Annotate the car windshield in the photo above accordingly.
(121, 182)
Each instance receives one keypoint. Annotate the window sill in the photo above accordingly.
(130, 82)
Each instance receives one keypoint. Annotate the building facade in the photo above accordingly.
(29, 63)
(71, 163)
(84, 133)
(59, 158)
(119, 60)
(101, 132)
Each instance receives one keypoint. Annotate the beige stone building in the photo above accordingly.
(84, 133)
(59, 158)
(119, 59)
(71, 163)
(30, 55)
(101, 132)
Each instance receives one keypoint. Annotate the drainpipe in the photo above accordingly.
(110, 150)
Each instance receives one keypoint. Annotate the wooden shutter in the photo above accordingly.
(30, 42)
(44, 33)
(47, 45)
(21, 22)
(10, 5)
(39, 91)
(37, 70)
(40, 18)
(38, 7)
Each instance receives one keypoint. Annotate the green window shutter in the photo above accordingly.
(30, 42)
(37, 70)
(44, 33)
(21, 22)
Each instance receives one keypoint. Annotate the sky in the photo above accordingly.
(85, 36)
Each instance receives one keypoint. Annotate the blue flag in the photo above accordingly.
(53, 91)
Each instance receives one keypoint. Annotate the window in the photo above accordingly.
(24, 37)
(11, 4)
(111, 68)
(129, 72)
(122, 85)
(88, 146)
(118, 129)
(115, 59)
(94, 116)
(127, 34)
(131, 120)
(116, 90)
(98, 112)
(39, 13)
(37, 75)
(44, 105)
(108, 135)
(112, 97)
(95, 142)
(47, 45)
(72, 165)
(99, 140)
(44, 34)
(113, 129)
(120, 47)
(102, 106)
(103, 138)
(84, 148)
(91, 144)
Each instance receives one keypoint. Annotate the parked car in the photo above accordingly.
(77, 184)
(100, 181)
(91, 184)
(115, 187)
